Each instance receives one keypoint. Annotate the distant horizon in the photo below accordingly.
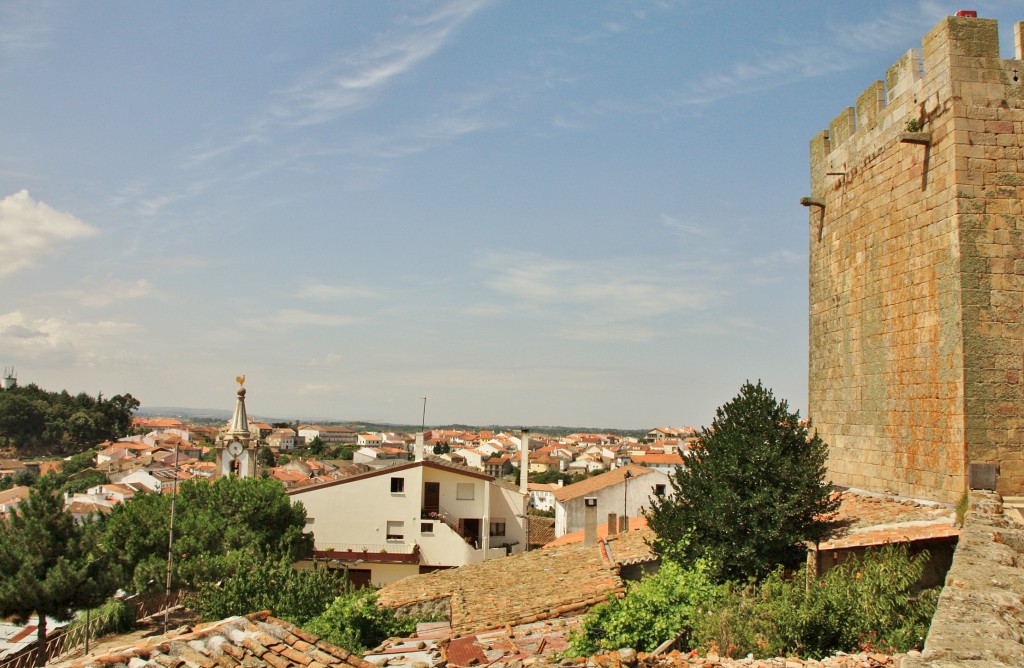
(218, 413)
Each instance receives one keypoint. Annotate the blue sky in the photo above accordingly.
(576, 213)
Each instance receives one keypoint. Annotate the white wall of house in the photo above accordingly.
(384, 511)
(569, 513)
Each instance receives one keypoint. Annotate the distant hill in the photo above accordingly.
(208, 415)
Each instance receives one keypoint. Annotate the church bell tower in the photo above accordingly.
(236, 451)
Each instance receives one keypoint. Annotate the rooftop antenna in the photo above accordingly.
(423, 420)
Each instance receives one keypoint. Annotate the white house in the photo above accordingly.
(542, 495)
(668, 462)
(413, 518)
(614, 492)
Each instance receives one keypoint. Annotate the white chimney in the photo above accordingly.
(418, 448)
(524, 461)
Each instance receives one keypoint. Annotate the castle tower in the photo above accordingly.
(236, 451)
(916, 373)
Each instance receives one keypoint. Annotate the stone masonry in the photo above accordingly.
(917, 271)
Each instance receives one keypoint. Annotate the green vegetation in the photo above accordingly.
(260, 584)
(659, 607)
(212, 520)
(35, 421)
(863, 605)
(49, 565)
(752, 491)
(355, 621)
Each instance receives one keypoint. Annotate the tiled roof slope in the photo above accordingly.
(254, 640)
(523, 588)
(872, 519)
(598, 482)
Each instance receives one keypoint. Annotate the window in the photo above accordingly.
(464, 491)
(398, 485)
(497, 527)
(659, 490)
(396, 529)
(426, 527)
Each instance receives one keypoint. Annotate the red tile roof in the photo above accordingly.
(599, 482)
(254, 640)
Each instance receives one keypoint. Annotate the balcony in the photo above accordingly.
(392, 552)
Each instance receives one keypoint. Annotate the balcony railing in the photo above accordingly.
(358, 548)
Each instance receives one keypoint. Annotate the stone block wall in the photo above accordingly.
(917, 271)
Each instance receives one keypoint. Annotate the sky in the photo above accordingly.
(536, 213)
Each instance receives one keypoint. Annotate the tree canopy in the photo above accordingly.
(33, 419)
(212, 519)
(49, 565)
(752, 490)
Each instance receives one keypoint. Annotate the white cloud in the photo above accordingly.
(30, 230)
(56, 340)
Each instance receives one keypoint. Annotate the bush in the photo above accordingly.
(355, 621)
(866, 604)
(658, 608)
(113, 616)
(258, 584)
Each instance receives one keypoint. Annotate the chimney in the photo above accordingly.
(589, 521)
(418, 448)
(613, 524)
(524, 461)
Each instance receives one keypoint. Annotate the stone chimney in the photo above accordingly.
(418, 448)
(613, 524)
(589, 521)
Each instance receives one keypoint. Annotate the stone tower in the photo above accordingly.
(236, 451)
(917, 271)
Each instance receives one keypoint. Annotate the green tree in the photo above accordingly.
(49, 565)
(315, 446)
(751, 492)
(265, 458)
(211, 520)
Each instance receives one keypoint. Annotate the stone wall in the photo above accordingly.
(917, 271)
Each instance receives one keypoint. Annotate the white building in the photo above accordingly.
(412, 518)
(542, 495)
(615, 494)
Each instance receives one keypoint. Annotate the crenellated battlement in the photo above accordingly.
(959, 58)
(916, 245)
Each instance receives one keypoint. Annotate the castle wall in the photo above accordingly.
(917, 271)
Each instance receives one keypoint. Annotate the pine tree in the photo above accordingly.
(753, 489)
(49, 565)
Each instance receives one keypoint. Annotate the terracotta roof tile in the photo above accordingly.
(599, 482)
(522, 588)
(253, 640)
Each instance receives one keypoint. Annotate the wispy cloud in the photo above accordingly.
(324, 292)
(289, 318)
(31, 230)
(611, 299)
(26, 26)
(110, 291)
(834, 49)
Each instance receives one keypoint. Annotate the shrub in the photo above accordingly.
(355, 621)
(658, 608)
(865, 604)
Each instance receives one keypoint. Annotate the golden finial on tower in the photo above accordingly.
(240, 380)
